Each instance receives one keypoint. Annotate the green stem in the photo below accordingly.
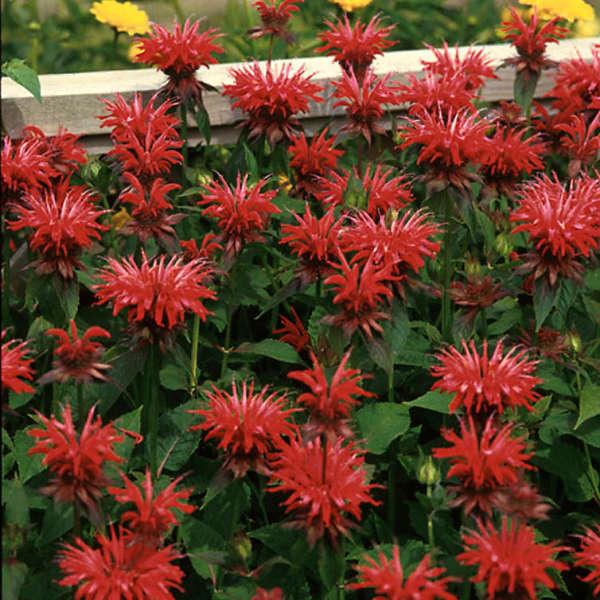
(184, 135)
(391, 384)
(76, 519)
(271, 40)
(359, 156)
(392, 484)
(447, 268)
(80, 408)
(227, 339)
(178, 10)
(430, 536)
(588, 458)
(194, 358)
(484, 331)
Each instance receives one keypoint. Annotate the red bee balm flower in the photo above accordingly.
(76, 459)
(562, 224)
(363, 101)
(483, 463)
(387, 577)
(120, 568)
(330, 403)
(77, 358)
(482, 384)
(179, 55)
(242, 212)
(355, 47)
(15, 367)
(64, 221)
(326, 485)
(156, 288)
(271, 98)
(589, 557)
(294, 333)
(248, 425)
(509, 561)
(153, 516)
(274, 19)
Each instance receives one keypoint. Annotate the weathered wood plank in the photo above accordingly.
(73, 100)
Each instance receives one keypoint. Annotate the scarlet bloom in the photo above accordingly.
(530, 40)
(483, 462)
(274, 19)
(64, 222)
(120, 568)
(327, 485)
(241, 212)
(563, 223)
(272, 98)
(549, 343)
(156, 289)
(510, 561)
(62, 149)
(207, 249)
(146, 141)
(581, 141)
(474, 66)
(294, 333)
(330, 402)
(355, 48)
(15, 367)
(77, 358)
(378, 194)
(363, 101)
(273, 594)
(150, 205)
(179, 55)
(310, 162)
(449, 142)
(482, 384)
(248, 425)
(314, 241)
(76, 460)
(476, 294)
(387, 578)
(153, 515)
(589, 556)
(360, 291)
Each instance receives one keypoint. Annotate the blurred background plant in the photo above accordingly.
(63, 36)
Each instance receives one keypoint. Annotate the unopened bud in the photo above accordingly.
(428, 473)
(574, 341)
(472, 267)
(504, 244)
(242, 546)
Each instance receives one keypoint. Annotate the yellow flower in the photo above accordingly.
(571, 10)
(586, 29)
(123, 16)
(120, 219)
(350, 5)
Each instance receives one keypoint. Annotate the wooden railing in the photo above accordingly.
(73, 100)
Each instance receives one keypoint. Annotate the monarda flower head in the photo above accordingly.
(509, 561)
(153, 515)
(15, 366)
(242, 212)
(272, 98)
(145, 139)
(388, 579)
(475, 295)
(563, 224)
(315, 243)
(483, 463)
(274, 19)
(589, 556)
(293, 332)
(330, 402)
(327, 485)
(76, 459)
(449, 142)
(355, 47)
(155, 290)
(179, 55)
(120, 567)
(483, 384)
(75, 357)
(311, 162)
(248, 424)
(64, 223)
(364, 100)
(581, 141)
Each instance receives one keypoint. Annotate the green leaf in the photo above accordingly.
(280, 540)
(592, 308)
(13, 576)
(68, 297)
(331, 565)
(433, 400)
(58, 519)
(564, 300)
(14, 497)
(130, 421)
(203, 122)
(252, 166)
(224, 511)
(315, 325)
(591, 280)
(524, 89)
(382, 422)
(487, 228)
(272, 348)
(175, 442)
(507, 320)
(396, 330)
(380, 353)
(173, 377)
(25, 76)
(544, 297)
(29, 464)
(17, 400)
(589, 403)
(204, 546)
(414, 359)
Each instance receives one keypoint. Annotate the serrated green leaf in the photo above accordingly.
(68, 297)
(29, 464)
(380, 353)
(524, 89)
(589, 403)
(173, 377)
(251, 164)
(433, 400)
(204, 546)
(592, 308)
(131, 421)
(25, 76)
(382, 422)
(16, 506)
(507, 320)
(331, 566)
(203, 122)
(272, 348)
(58, 519)
(544, 297)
